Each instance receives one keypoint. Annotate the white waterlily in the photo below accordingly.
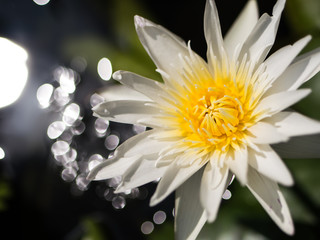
(211, 120)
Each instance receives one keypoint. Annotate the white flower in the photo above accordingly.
(212, 119)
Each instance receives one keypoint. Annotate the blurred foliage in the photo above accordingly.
(124, 49)
(92, 230)
(5, 193)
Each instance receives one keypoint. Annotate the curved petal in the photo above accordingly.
(277, 63)
(148, 87)
(294, 124)
(125, 155)
(262, 37)
(212, 31)
(271, 199)
(120, 92)
(141, 172)
(173, 177)
(211, 196)
(270, 164)
(265, 133)
(237, 161)
(304, 68)
(299, 147)
(189, 214)
(124, 111)
(242, 27)
(163, 47)
(277, 102)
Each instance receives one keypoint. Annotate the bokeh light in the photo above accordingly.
(2, 153)
(104, 69)
(147, 227)
(14, 71)
(41, 2)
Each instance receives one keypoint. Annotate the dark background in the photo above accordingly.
(36, 203)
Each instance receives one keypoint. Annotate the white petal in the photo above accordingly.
(265, 133)
(112, 167)
(124, 111)
(174, 176)
(237, 161)
(277, 102)
(270, 164)
(120, 92)
(262, 37)
(125, 155)
(271, 199)
(212, 30)
(141, 172)
(211, 196)
(299, 147)
(294, 124)
(189, 214)
(277, 63)
(147, 87)
(242, 27)
(298, 73)
(162, 46)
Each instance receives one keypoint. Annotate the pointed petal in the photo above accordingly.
(212, 31)
(124, 111)
(189, 214)
(174, 176)
(271, 199)
(277, 102)
(237, 161)
(242, 27)
(162, 46)
(111, 167)
(125, 155)
(265, 133)
(262, 37)
(148, 87)
(294, 124)
(119, 92)
(270, 164)
(211, 196)
(304, 68)
(277, 63)
(141, 172)
(299, 147)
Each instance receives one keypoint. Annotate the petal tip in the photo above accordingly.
(140, 21)
(117, 75)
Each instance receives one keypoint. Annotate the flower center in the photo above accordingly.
(218, 114)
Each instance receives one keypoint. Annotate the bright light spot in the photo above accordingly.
(41, 2)
(105, 69)
(55, 129)
(94, 161)
(44, 95)
(71, 114)
(60, 148)
(111, 142)
(147, 227)
(159, 217)
(2, 153)
(227, 195)
(67, 81)
(14, 71)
